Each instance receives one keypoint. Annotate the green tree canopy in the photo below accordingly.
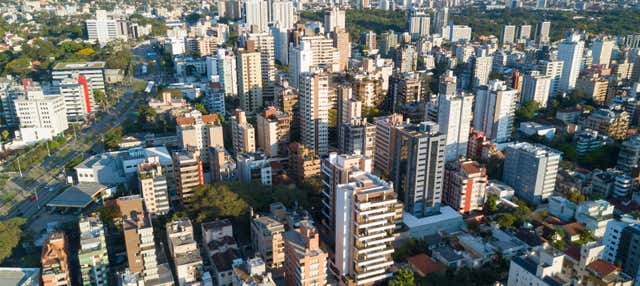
(10, 234)
(404, 277)
(211, 201)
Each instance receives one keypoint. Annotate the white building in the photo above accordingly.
(300, 61)
(365, 218)
(184, 251)
(283, 14)
(554, 70)
(455, 33)
(152, 181)
(570, 52)
(257, 14)
(482, 70)
(40, 117)
(78, 98)
(601, 50)
(540, 268)
(595, 215)
(243, 135)
(536, 87)
(454, 118)
(226, 64)
(531, 170)
(102, 29)
(494, 111)
(92, 71)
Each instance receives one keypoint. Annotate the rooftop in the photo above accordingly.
(78, 65)
(11, 276)
(78, 196)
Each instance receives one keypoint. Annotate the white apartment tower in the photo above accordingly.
(482, 70)
(283, 15)
(365, 220)
(454, 118)
(250, 80)
(102, 29)
(243, 134)
(570, 52)
(226, 65)
(153, 186)
(601, 50)
(536, 87)
(553, 69)
(257, 14)
(300, 61)
(313, 104)
(494, 111)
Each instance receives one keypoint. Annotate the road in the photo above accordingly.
(88, 140)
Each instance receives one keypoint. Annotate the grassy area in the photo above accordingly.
(36, 154)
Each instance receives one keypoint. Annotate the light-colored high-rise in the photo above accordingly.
(313, 104)
(419, 25)
(93, 256)
(249, 80)
(41, 117)
(102, 29)
(536, 87)
(184, 252)
(78, 97)
(189, 174)
(267, 240)
(257, 14)
(334, 19)
(441, 19)
(153, 186)
(601, 50)
(198, 133)
(531, 169)
(303, 255)
(365, 220)
(570, 52)
(482, 70)
(300, 61)
(384, 145)
(465, 185)
(508, 34)
(283, 14)
(264, 42)
(494, 111)
(226, 65)
(542, 32)
(454, 118)
(92, 71)
(243, 134)
(274, 128)
(553, 69)
(524, 32)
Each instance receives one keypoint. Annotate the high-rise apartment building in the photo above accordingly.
(508, 34)
(92, 71)
(274, 131)
(553, 69)
(601, 50)
(300, 61)
(594, 87)
(226, 65)
(93, 256)
(454, 120)
(153, 186)
(55, 261)
(40, 117)
(189, 174)
(267, 240)
(78, 97)
(612, 122)
(531, 169)
(524, 32)
(440, 20)
(313, 105)
(334, 20)
(418, 167)
(365, 220)
(536, 87)
(283, 14)
(336, 170)
(542, 32)
(482, 70)
(384, 147)
(465, 186)
(419, 25)
(570, 53)
(184, 252)
(303, 162)
(495, 110)
(265, 44)
(342, 42)
(243, 134)
(140, 244)
(198, 133)
(250, 79)
(302, 254)
(257, 15)
(102, 29)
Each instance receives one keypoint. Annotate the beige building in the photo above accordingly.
(199, 132)
(303, 255)
(249, 80)
(595, 87)
(55, 261)
(465, 185)
(303, 162)
(384, 142)
(153, 186)
(274, 128)
(612, 122)
(242, 133)
(267, 241)
(184, 251)
(188, 172)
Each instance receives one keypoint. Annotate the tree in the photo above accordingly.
(100, 98)
(492, 203)
(10, 233)
(113, 137)
(211, 201)
(200, 107)
(20, 67)
(601, 158)
(527, 111)
(404, 277)
(576, 197)
(109, 213)
(5, 135)
(505, 220)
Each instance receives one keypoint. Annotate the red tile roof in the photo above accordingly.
(185, 120)
(425, 265)
(601, 268)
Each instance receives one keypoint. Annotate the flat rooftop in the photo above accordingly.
(11, 276)
(79, 65)
(77, 196)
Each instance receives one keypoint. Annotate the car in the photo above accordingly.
(32, 197)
